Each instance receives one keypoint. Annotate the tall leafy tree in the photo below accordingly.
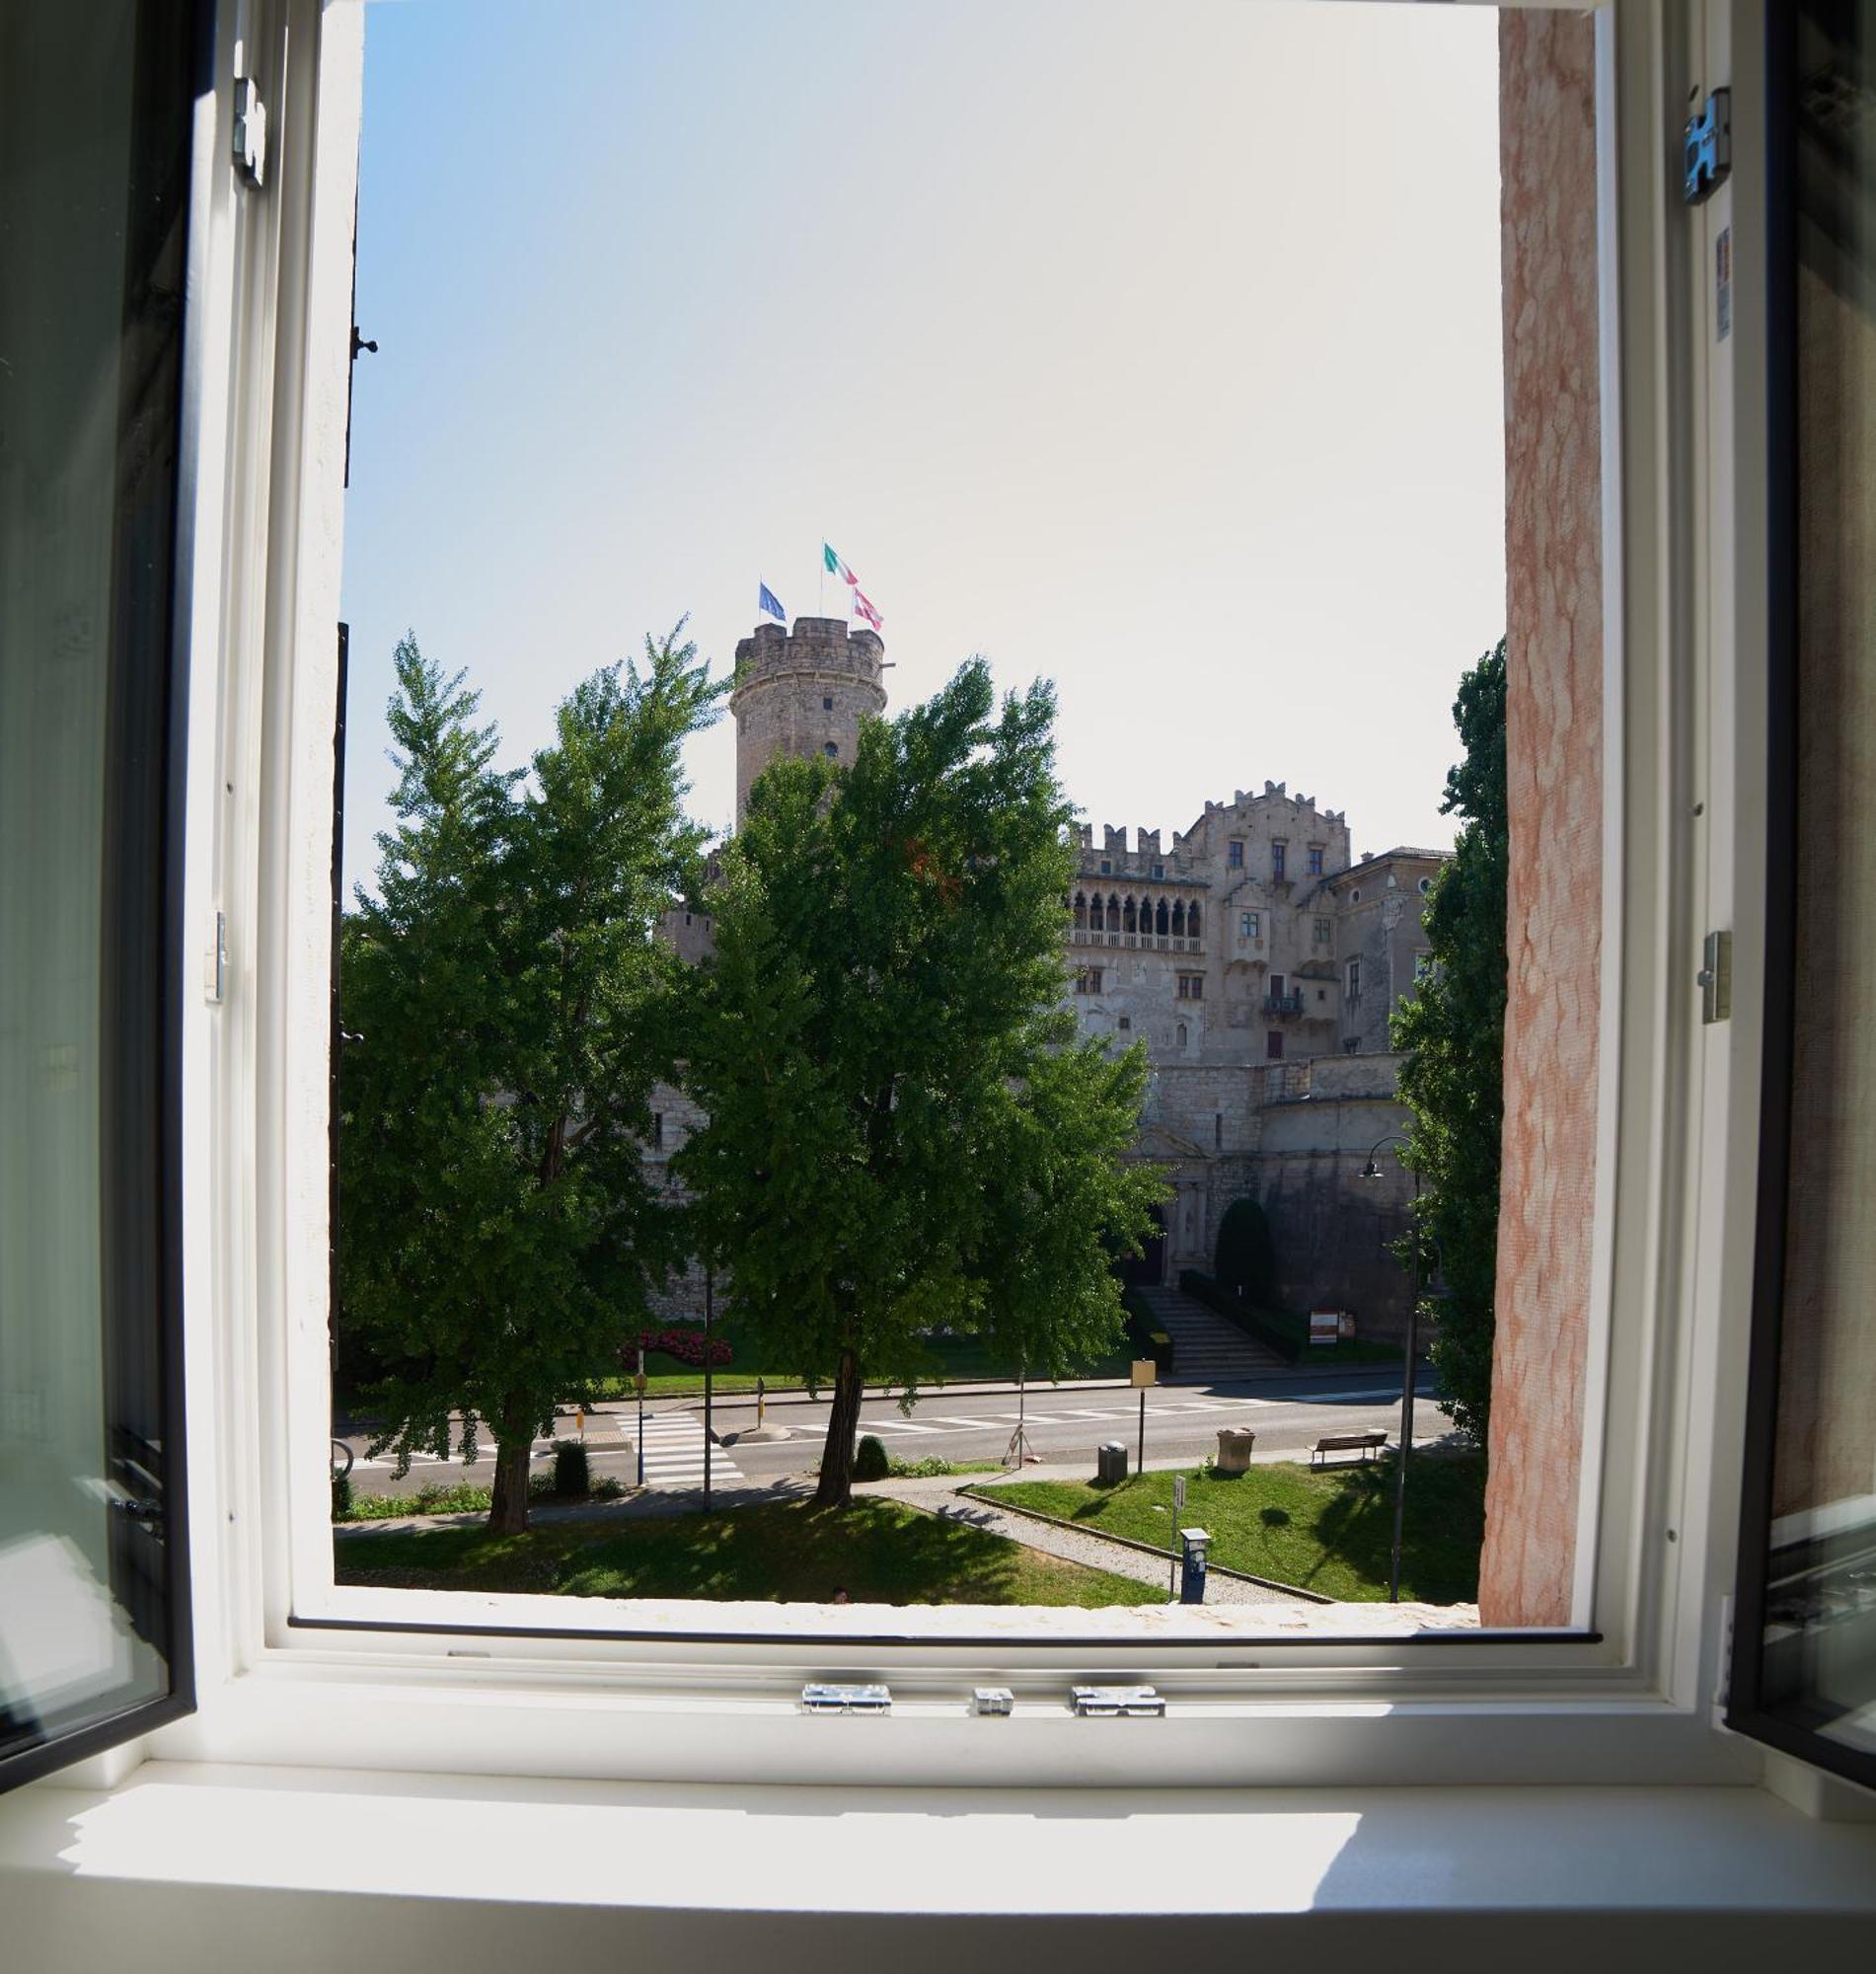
(1453, 1032)
(904, 1127)
(510, 1008)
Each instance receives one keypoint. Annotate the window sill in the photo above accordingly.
(184, 1865)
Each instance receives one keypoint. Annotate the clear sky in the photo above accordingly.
(1148, 345)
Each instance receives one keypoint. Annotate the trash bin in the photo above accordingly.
(1110, 1463)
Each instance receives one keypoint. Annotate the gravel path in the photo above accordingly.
(939, 1497)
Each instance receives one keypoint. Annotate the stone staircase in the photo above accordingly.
(1207, 1348)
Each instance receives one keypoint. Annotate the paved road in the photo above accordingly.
(1061, 1422)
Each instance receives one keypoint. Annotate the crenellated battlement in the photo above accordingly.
(811, 644)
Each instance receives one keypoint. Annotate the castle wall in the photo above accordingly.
(1380, 908)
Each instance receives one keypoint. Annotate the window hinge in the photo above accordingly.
(216, 962)
(250, 133)
(1723, 1673)
(1708, 148)
(1116, 1701)
(1716, 978)
(828, 1697)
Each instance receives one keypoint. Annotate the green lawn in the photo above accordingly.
(1322, 1530)
(879, 1551)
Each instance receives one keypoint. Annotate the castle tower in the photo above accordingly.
(802, 692)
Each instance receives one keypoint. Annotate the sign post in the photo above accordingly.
(639, 1382)
(1145, 1372)
(1172, 1562)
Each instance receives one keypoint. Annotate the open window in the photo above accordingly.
(1612, 1646)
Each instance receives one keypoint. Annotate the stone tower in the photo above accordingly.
(802, 692)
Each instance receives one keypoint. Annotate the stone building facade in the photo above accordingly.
(1250, 954)
(1243, 953)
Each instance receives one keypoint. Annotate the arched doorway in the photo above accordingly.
(1148, 1268)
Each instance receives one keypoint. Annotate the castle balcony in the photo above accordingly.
(1138, 940)
(1282, 1007)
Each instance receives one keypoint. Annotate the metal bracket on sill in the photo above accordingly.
(1133, 1703)
(830, 1697)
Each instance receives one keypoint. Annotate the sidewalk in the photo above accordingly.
(1293, 1374)
(793, 1395)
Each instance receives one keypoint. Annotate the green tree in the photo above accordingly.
(905, 1129)
(510, 1008)
(1454, 1034)
(1246, 1259)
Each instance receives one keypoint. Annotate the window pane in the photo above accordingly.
(1812, 1643)
(94, 124)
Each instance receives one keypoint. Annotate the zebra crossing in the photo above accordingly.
(674, 1454)
(946, 1423)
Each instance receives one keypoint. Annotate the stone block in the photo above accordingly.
(1234, 1443)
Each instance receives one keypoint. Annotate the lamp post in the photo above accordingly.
(1370, 1171)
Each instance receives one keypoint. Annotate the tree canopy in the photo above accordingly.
(508, 1009)
(1454, 1030)
(904, 1128)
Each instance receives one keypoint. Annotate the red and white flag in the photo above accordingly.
(865, 609)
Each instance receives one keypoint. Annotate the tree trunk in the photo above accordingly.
(509, 1513)
(837, 1449)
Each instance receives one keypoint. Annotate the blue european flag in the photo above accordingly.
(767, 599)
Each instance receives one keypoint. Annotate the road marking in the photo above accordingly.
(674, 1453)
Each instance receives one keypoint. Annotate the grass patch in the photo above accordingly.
(879, 1551)
(1327, 1530)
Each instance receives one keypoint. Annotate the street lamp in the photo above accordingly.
(1372, 1170)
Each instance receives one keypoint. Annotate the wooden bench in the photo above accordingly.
(1367, 1444)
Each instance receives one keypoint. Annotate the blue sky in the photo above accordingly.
(1149, 347)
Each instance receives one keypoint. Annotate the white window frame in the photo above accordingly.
(291, 1669)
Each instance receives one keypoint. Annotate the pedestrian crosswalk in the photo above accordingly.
(674, 1454)
(1000, 1422)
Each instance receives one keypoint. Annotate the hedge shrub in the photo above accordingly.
(571, 1474)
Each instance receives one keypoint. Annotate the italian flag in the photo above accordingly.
(835, 567)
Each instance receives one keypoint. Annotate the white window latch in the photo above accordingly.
(250, 133)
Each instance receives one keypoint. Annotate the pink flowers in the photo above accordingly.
(686, 1345)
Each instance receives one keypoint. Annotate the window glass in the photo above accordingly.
(1806, 1675)
(94, 181)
